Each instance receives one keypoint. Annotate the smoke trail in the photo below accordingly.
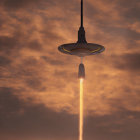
(81, 111)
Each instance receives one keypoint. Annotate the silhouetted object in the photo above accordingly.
(81, 48)
(81, 72)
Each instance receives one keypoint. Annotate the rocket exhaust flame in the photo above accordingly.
(81, 113)
(81, 76)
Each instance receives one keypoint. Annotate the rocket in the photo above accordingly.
(81, 71)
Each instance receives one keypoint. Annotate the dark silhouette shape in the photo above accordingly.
(81, 48)
(81, 72)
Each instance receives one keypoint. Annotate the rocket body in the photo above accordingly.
(81, 72)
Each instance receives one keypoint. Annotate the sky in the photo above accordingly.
(39, 88)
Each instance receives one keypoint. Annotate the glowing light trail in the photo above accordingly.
(81, 114)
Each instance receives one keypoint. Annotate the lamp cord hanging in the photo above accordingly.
(81, 13)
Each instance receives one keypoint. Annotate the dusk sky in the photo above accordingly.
(39, 88)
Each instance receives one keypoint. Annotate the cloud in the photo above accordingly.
(34, 121)
(8, 44)
(15, 4)
(35, 65)
(19, 121)
(129, 62)
(37, 80)
(4, 61)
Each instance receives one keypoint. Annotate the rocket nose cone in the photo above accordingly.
(81, 72)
